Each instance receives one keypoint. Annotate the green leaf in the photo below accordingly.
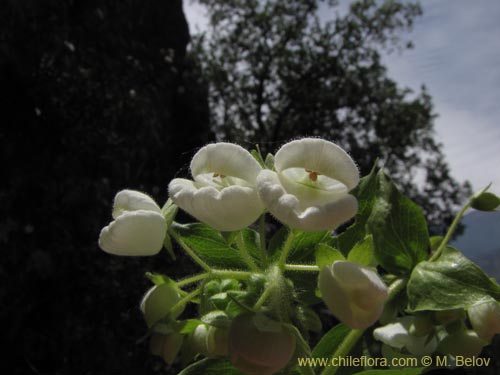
(451, 282)
(211, 367)
(257, 156)
(325, 255)
(303, 244)
(159, 279)
(365, 192)
(209, 245)
(486, 202)
(217, 318)
(399, 229)
(406, 371)
(186, 327)
(363, 253)
(330, 341)
(302, 348)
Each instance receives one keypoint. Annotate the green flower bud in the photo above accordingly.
(198, 340)
(166, 346)
(445, 317)
(463, 343)
(257, 352)
(422, 325)
(217, 345)
(158, 302)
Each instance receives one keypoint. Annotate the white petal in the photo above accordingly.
(227, 159)
(134, 233)
(131, 200)
(485, 319)
(319, 156)
(394, 334)
(287, 207)
(354, 294)
(232, 208)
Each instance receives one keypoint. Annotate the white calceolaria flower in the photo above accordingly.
(397, 335)
(355, 294)
(485, 319)
(223, 193)
(310, 188)
(138, 229)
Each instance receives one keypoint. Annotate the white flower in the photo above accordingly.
(310, 188)
(397, 335)
(139, 228)
(223, 193)
(354, 294)
(485, 319)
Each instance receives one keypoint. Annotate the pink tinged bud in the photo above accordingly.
(158, 301)
(463, 343)
(485, 319)
(354, 294)
(166, 346)
(256, 352)
(139, 227)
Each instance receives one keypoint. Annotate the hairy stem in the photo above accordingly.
(301, 267)
(192, 279)
(453, 226)
(240, 241)
(262, 239)
(286, 249)
(188, 250)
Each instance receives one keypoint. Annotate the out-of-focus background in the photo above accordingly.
(97, 96)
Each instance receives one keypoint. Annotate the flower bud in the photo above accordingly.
(354, 294)
(217, 345)
(257, 352)
(209, 341)
(464, 343)
(158, 302)
(138, 229)
(166, 346)
(485, 319)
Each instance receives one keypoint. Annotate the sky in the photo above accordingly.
(457, 57)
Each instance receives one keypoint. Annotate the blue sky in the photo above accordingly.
(457, 56)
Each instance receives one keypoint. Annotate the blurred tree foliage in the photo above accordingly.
(279, 69)
(97, 96)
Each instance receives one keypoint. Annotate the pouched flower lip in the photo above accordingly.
(222, 193)
(310, 188)
(355, 294)
(397, 335)
(139, 228)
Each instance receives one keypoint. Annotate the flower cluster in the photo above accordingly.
(251, 311)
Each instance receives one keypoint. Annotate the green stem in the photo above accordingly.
(344, 349)
(262, 299)
(187, 298)
(188, 250)
(192, 279)
(244, 252)
(230, 274)
(262, 239)
(352, 337)
(286, 249)
(453, 226)
(301, 267)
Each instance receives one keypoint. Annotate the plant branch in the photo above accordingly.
(301, 267)
(286, 249)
